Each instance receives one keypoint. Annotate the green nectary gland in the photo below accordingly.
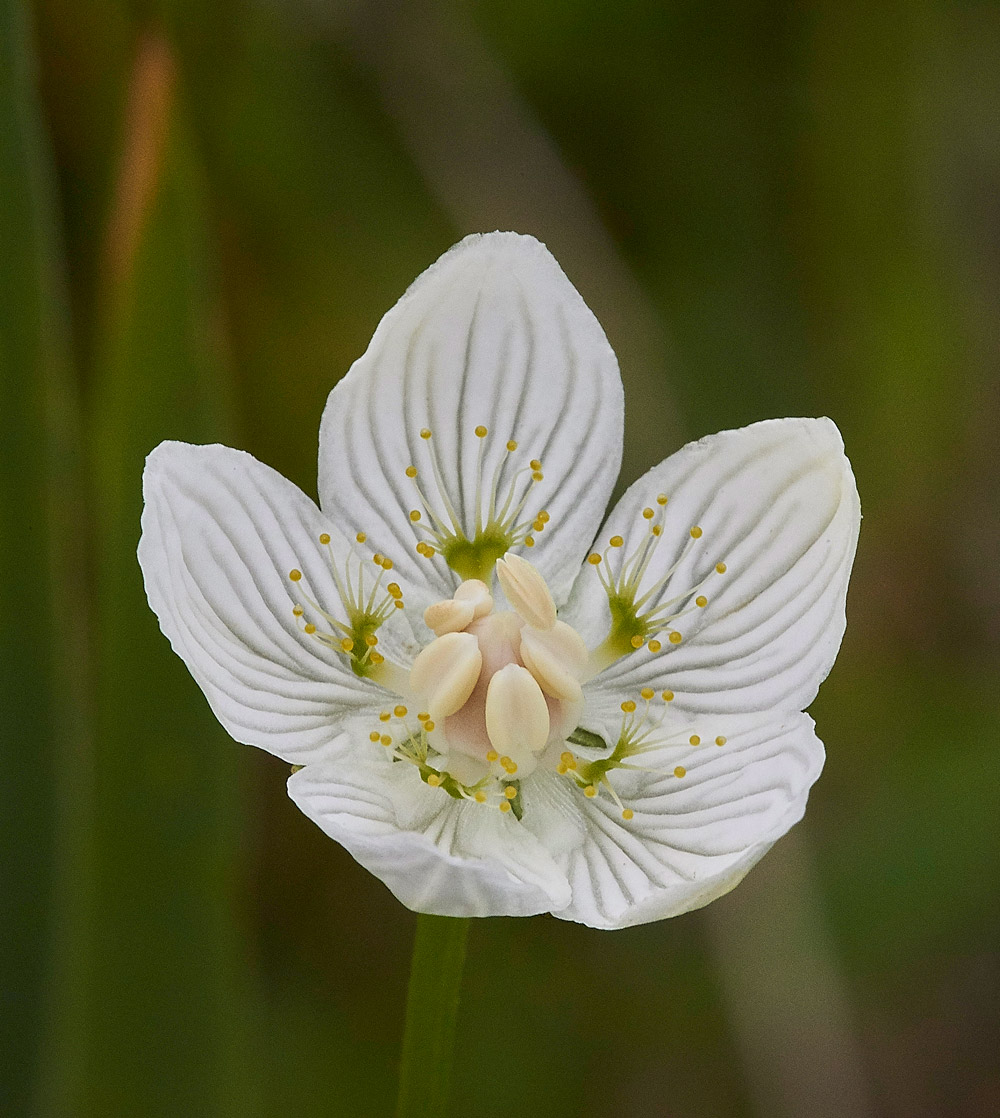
(363, 626)
(476, 558)
(625, 624)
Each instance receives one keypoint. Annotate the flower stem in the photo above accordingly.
(431, 1012)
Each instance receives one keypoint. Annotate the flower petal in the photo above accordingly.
(493, 334)
(692, 838)
(776, 503)
(435, 854)
(220, 534)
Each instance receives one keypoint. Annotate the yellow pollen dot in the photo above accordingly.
(423, 716)
(295, 574)
(675, 637)
(694, 739)
(720, 740)
(324, 537)
(385, 716)
(647, 693)
(510, 792)
(411, 471)
(590, 791)
(720, 568)
(399, 711)
(628, 706)
(636, 641)
(374, 736)
(347, 644)
(701, 601)
(616, 541)
(377, 658)
(492, 756)
(434, 780)
(298, 611)
(480, 797)
(594, 559)
(393, 590)
(511, 445)
(535, 464)
(361, 537)
(428, 725)
(505, 806)
(385, 739)
(661, 499)
(648, 514)
(680, 771)
(628, 814)
(539, 526)
(415, 515)
(377, 558)
(425, 433)
(667, 696)
(398, 603)
(529, 541)
(696, 533)
(371, 640)
(481, 432)
(654, 646)
(656, 530)
(544, 517)
(537, 475)
(421, 548)
(428, 551)
(310, 628)
(386, 564)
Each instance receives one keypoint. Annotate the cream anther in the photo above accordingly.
(478, 593)
(526, 591)
(517, 716)
(557, 658)
(445, 673)
(448, 616)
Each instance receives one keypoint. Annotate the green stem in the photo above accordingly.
(431, 1012)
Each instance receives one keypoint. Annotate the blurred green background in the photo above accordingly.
(775, 209)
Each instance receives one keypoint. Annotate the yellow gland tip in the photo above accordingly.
(384, 716)
(628, 814)
(509, 764)
(414, 515)
(510, 792)
(371, 640)
(310, 628)
(377, 658)
(680, 771)
(298, 611)
(428, 725)
(561, 768)
(511, 445)
(667, 696)
(374, 736)
(537, 475)
(636, 641)
(492, 756)
(361, 537)
(544, 517)
(675, 637)
(656, 530)
(434, 780)
(647, 693)
(480, 797)
(654, 646)
(694, 739)
(529, 541)
(628, 706)
(481, 432)
(393, 590)
(648, 514)
(590, 791)
(661, 499)
(566, 757)
(425, 433)
(535, 464)
(720, 568)
(696, 533)
(324, 537)
(594, 559)
(505, 805)
(385, 739)
(616, 541)
(423, 716)
(701, 601)
(347, 644)
(411, 471)
(399, 711)
(720, 740)
(295, 574)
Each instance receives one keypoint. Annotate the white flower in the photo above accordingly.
(612, 735)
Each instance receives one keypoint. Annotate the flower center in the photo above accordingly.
(500, 687)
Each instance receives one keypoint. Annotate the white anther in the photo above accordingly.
(557, 658)
(526, 591)
(476, 592)
(449, 616)
(444, 674)
(517, 716)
